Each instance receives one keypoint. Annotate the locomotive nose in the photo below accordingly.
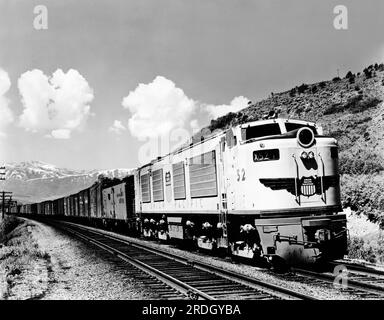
(305, 137)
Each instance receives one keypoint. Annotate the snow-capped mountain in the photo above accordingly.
(31, 170)
(33, 181)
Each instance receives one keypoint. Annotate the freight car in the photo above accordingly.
(264, 189)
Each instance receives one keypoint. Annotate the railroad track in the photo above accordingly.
(360, 273)
(178, 277)
(364, 282)
(358, 267)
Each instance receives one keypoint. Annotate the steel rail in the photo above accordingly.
(167, 279)
(353, 284)
(358, 268)
(275, 290)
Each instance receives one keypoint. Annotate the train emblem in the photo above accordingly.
(308, 186)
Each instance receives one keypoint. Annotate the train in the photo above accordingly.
(267, 190)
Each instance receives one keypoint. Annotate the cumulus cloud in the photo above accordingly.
(157, 108)
(6, 115)
(237, 104)
(160, 107)
(194, 124)
(58, 104)
(117, 127)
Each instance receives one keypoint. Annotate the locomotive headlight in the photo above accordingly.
(305, 137)
(311, 155)
(304, 155)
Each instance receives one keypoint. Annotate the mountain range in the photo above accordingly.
(34, 181)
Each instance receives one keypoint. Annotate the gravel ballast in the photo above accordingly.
(318, 291)
(77, 270)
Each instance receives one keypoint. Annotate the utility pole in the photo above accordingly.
(6, 198)
(2, 177)
(2, 173)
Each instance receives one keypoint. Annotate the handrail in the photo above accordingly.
(323, 193)
(297, 195)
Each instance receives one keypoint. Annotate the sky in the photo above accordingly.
(99, 86)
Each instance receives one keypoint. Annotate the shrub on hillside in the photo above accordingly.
(363, 120)
(334, 108)
(322, 84)
(302, 88)
(364, 194)
(292, 92)
(368, 72)
(361, 163)
(361, 106)
(7, 225)
(336, 79)
(349, 75)
(372, 251)
(355, 104)
(222, 122)
(379, 67)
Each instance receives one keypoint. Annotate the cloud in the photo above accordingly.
(61, 134)
(157, 108)
(117, 127)
(6, 115)
(58, 104)
(216, 111)
(194, 124)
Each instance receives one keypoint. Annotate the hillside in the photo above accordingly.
(35, 181)
(350, 109)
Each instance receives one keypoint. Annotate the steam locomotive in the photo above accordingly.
(267, 189)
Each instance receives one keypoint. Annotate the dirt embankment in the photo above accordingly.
(40, 262)
(24, 267)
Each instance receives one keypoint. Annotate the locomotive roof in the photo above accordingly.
(221, 132)
(277, 120)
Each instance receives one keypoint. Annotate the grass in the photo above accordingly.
(10, 223)
(364, 194)
(18, 252)
(371, 251)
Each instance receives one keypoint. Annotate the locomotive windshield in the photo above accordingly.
(290, 126)
(269, 129)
